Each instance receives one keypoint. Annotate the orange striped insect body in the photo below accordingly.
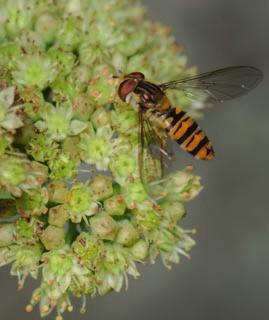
(151, 101)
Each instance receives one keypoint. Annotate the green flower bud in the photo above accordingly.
(103, 226)
(127, 234)
(170, 244)
(123, 166)
(89, 54)
(165, 240)
(140, 250)
(24, 229)
(62, 167)
(80, 203)
(27, 231)
(39, 174)
(57, 191)
(83, 285)
(64, 89)
(65, 59)
(53, 237)
(42, 148)
(146, 219)
(126, 120)
(82, 74)
(97, 149)
(6, 234)
(34, 203)
(88, 248)
(185, 241)
(101, 187)
(100, 117)
(9, 52)
(58, 216)
(69, 34)
(103, 90)
(58, 124)
(27, 260)
(134, 194)
(12, 172)
(182, 185)
(71, 148)
(19, 16)
(18, 173)
(134, 43)
(173, 212)
(115, 205)
(46, 26)
(115, 258)
(34, 70)
(60, 264)
(83, 107)
(31, 40)
(32, 110)
(34, 101)
(80, 198)
(108, 281)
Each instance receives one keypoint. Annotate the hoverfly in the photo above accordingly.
(156, 114)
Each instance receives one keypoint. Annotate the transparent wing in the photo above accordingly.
(218, 85)
(152, 153)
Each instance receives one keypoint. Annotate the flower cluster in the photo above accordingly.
(72, 204)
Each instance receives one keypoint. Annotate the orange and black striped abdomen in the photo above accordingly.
(186, 132)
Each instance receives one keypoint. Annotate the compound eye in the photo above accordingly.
(126, 87)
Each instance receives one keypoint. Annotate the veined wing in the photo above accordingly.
(218, 85)
(152, 152)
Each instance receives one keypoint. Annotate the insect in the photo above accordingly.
(156, 114)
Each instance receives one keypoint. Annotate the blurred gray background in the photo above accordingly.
(228, 276)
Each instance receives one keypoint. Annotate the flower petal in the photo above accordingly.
(77, 127)
(7, 96)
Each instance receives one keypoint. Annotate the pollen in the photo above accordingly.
(50, 282)
(29, 308)
(82, 311)
(45, 308)
(96, 94)
(53, 303)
